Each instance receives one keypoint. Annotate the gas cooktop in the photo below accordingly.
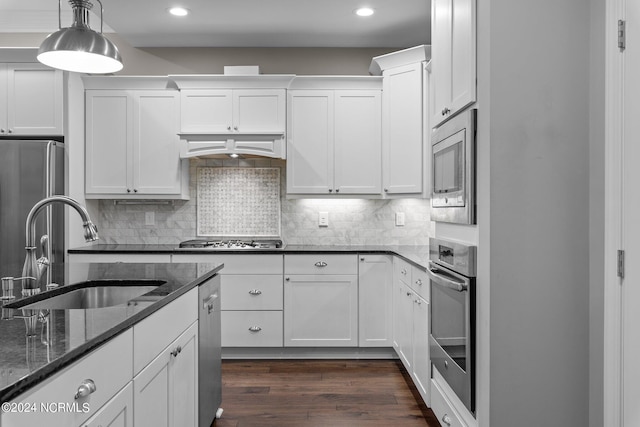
(230, 244)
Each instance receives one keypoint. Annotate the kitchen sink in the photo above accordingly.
(90, 294)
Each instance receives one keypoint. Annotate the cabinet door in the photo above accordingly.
(403, 158)
(206, 111)
(108, 142)
(3, 100)
(259, 110)
(321, 311)
(421, 361)
(375, 296)
(453, 35)
(34, 100)
(403, 323)
(310, 142)
(165, 392)
(118, 412)
(157, 167)
(358, 142)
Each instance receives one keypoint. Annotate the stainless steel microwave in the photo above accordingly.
(453, 161)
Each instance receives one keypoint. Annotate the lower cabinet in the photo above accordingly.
(118, 412)
(375, 296)
(165, 392)
(411, 327)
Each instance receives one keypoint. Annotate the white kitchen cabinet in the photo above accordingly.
(321, 301)
(252, 301)
(118, 412)
(403, 116)
(31, 99)
(334, 136)
(132, 146)
(453, 36)
(110, 368)
(166, 391)
(375, 274)
(411, 324)
(233, 111)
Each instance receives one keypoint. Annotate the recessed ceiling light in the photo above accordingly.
(364, 11)
(178, 11)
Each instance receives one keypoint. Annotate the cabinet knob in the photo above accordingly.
(85, 388)
(228, 127)
(287, 278)
(419, 282)
(445, 111)
(255, 328)
(135, 190)
(255, 292)
(10, 131)
(408, 294)
(386, 190)
(337, 190)
(362, 259)
(331, 190)
(128, 190)
(235, 128)
(176, 351)
(404, 271)
(446, 419)
(2, 131)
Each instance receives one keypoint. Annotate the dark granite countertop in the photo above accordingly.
(57, 338)
(418, 255)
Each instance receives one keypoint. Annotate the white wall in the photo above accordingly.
(533, 127)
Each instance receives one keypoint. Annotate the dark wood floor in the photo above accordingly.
(333, 393)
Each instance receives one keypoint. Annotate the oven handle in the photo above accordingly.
(442, 280)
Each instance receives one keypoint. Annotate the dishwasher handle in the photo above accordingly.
(208, 302)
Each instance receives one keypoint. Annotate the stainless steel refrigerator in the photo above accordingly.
(30, 170)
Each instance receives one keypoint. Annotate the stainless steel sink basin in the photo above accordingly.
(94, 294)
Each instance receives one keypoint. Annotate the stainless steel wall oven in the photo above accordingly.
(453, 170)
(452, 271)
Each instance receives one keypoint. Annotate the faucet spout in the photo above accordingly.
(32, 270)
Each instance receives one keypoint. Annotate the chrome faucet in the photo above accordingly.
(33, 269)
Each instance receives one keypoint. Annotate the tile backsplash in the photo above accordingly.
(351, 221)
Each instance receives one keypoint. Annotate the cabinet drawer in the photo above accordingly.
(237, 264)
(252, 328)
(61, 388)
(321, 264)
(402, 270)
(420, 282)
(252, 292)
(153, 334)
(442, 409)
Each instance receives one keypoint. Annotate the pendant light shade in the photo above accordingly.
(79, 48)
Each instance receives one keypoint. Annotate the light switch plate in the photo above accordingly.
(399, 219)
(323, 219)
(149, 218)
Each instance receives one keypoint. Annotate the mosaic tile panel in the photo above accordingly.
(238, 202)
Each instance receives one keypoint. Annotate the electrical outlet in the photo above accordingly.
(399, 219)
(323, 219)
(149, 218)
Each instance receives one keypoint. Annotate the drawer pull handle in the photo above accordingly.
(446, 419)
(321, 264)
(419, 282)
(255, 328)
(255, 292)
(85, 389)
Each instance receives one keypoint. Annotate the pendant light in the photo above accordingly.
(79, 48)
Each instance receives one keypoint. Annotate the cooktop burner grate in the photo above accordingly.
(230, 244)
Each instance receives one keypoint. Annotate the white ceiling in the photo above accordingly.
(240, 23)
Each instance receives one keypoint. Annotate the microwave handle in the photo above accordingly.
(445, 281)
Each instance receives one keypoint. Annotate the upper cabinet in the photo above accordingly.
(453, 34)
(31, 99)
(404, 118)
(334, 136)
(132, 143)
(234, 111)
(224, 114)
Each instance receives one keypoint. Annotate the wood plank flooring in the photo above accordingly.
(318, 393)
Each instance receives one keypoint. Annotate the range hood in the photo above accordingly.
(241, 145)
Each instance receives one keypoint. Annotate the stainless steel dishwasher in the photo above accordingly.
(209, 353)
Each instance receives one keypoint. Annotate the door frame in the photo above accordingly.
(614, 144)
